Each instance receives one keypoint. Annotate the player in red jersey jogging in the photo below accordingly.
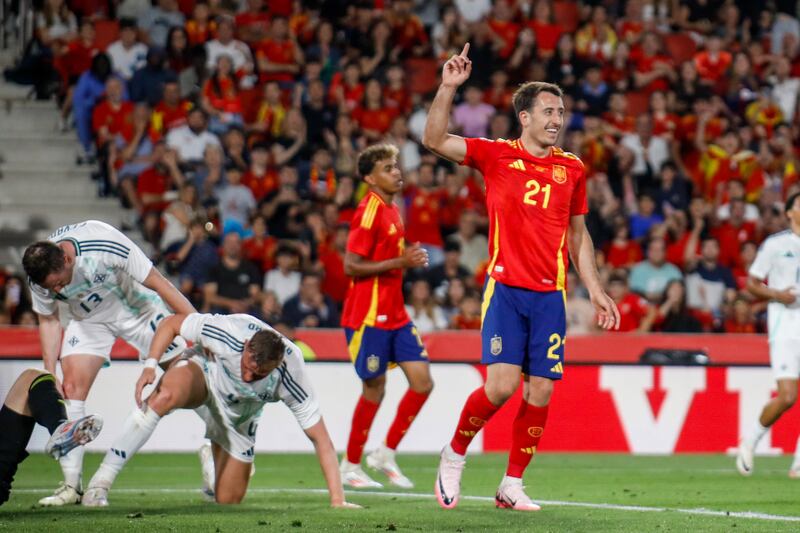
(536, 200)
(378, 329)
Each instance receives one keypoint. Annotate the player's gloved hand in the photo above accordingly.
(148, 376)
(346, 505)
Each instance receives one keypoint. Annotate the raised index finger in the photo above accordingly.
(465, 51)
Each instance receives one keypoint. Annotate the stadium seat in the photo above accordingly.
(107, 32)
(638, 102)
(423, 75)
(567, 15)
(680, 47)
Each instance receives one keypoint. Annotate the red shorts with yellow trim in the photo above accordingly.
(524, 328)
(372, 349)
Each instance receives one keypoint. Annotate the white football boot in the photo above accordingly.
(448, 478)
(355, 477)
(207, 467)
(64, 495)
(95, 496)
(383, 460)
(511, 495)
(73, 433)
(744, 459)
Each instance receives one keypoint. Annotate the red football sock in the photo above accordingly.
(477, 411)
(407, 411)
(363, 415)
(526, 431)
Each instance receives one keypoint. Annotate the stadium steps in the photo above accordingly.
(41, 188)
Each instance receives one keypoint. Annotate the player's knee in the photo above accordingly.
(73, 390)
(787, 398)
(423, 386)
(29, 375)
(161, 401)
(499, 393)
(374, 389)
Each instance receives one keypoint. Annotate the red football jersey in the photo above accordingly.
(376, 234)
(530, 201)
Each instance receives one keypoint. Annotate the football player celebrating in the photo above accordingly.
(536, 200)
(378, 329)
(236, 366)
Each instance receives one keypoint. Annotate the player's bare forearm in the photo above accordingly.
(436, 137)
(167, 330)
(50, 338)
(326, 454)
(167, 291)
(356, 266)
(581, 250)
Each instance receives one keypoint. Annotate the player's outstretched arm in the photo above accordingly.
(436, 138)
(50, 337)
(167, 330)
(326, 454)
(168, 292)
(581, 250)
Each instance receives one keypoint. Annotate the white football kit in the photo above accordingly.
(233, 407)
(778, 264)
(106, 298)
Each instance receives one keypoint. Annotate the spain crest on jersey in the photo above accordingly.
(559, 174)
(496, 345)
(373, 363)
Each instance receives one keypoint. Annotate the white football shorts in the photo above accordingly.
(784, 357)
(93, 338)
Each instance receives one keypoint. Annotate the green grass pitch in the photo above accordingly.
(578, 492)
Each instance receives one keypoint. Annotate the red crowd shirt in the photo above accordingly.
(200, 34)
(376, 234)
(280, 52)
(379, 120)
(117, 120)
(423, 216)
(260, 252)
(166, 118)
(712, 68)
(508, 33)
(260, 185)
(151, 181)
(530, 201)
(632, 309)
(621, 256)
(227, 100)
(399, 99)
(547, 35)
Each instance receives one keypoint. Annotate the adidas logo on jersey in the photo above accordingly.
(557, 369)
(518, 164)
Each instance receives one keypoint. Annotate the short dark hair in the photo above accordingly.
(525, 96)
(267, 347)
(369, 157)
(42, 259)
(790, 201)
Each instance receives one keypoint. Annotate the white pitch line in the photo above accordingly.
(417, 495)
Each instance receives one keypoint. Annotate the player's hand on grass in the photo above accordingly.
(415, 256)
(607, 312)
(786, 296)
(457, 69)
(148, 377)
(346, 505)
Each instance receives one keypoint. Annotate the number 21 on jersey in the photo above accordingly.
(534, 188)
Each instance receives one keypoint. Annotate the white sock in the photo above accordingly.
(135, 432)
(508, 480)
(755, 434)
(796, 461)
(72, 463)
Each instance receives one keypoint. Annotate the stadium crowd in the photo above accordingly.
(230, 131)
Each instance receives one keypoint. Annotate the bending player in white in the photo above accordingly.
(778, 264)
(236, 366)
(112, 291)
